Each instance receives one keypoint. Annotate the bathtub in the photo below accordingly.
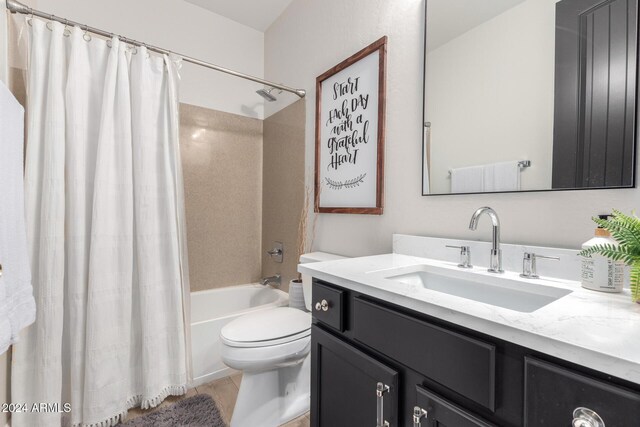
(210, 311)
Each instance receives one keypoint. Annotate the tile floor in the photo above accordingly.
(224, 392)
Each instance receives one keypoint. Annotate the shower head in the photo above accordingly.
(266, 94)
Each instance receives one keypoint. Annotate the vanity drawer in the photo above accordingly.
(460, 363)
(327, 305)
(442, 412)
(553, 392)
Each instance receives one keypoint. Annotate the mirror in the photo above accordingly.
(529, 95)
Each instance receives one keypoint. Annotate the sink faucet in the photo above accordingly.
(271, 280)
(495, 263)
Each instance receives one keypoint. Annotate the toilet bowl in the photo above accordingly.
(271, 348)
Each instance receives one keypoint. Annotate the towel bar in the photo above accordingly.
(522, 163)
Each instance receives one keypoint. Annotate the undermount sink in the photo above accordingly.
(517, 295)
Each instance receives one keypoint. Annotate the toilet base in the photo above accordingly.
(273, 397)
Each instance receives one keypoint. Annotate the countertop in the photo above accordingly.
(598, 330)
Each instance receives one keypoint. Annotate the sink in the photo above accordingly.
(518, 295)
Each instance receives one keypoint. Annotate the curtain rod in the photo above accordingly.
(16, 7)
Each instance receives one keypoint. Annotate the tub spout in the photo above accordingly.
(274, 281)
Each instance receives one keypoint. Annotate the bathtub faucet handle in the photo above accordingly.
(276, 252)
(274, 281)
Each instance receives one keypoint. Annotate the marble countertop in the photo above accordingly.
(593, 329)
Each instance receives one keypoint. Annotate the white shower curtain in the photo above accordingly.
(106, 232)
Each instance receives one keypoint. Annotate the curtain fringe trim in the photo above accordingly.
(132, 402)
(178, 390)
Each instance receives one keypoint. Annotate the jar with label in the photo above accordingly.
(598, 272)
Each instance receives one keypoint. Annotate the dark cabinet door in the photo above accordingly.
(595, 93)
(553, 393)
(344, 385)
(435, 411)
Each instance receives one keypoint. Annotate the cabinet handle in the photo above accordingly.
(585, 417)
(381, 389)
(324, 305)
(418, 415)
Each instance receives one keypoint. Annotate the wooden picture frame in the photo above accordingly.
(347, 154)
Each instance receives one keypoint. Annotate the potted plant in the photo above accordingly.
(626, 230)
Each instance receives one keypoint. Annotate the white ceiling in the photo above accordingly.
(448, 19)
(255, 14)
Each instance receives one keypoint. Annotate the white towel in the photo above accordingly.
(467, 180)
(17, 306)
(503, 176)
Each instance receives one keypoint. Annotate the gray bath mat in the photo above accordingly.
(197, 411)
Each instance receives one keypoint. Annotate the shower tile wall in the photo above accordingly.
(222, 167)
(283, 187)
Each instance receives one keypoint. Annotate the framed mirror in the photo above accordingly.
(529, 95)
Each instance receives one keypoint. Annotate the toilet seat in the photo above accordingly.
(267, 328)
(265, 343)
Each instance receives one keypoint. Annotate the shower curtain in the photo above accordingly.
(106, 232)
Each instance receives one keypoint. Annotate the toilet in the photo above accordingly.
(271, 348)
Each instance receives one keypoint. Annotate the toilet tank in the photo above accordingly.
(306, 280)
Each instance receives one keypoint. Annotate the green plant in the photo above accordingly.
(626, 230)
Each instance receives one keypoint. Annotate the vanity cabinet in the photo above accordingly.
(461, 363)
(431, 410)
(553, 392)
(328, 304)
(378, 364)
(350, 387)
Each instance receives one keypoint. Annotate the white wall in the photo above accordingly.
(311, 37)
(187, 29)
(499, 77)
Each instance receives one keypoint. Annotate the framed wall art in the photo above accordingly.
(350, 130)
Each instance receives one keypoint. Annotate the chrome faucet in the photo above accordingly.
(271, 280)
(495, 262)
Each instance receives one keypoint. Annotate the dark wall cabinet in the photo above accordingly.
(375, 364)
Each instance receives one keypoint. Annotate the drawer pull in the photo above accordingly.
(381, 389)
(585, 417)
(418, 415)
(324, 305)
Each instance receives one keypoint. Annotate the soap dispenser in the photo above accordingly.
(598, 272)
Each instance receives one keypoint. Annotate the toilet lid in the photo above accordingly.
(267, 325)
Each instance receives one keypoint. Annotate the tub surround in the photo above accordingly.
(283, 188)
(592, 329)
(222, 166)
(231, 197)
